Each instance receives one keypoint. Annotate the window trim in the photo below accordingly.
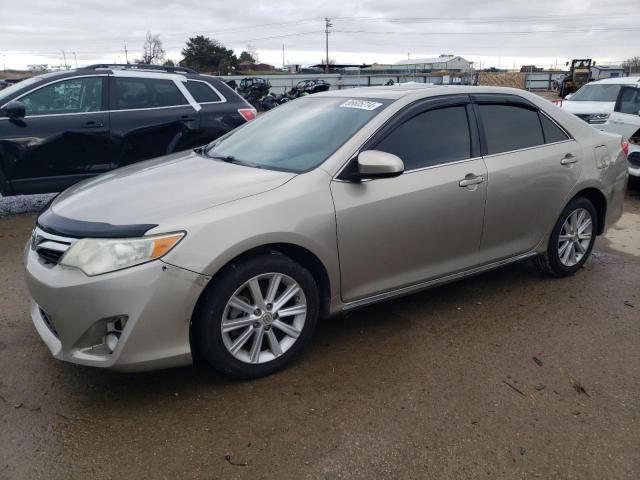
(223, 99)
(52, 82)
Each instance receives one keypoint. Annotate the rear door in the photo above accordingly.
(219, 113)
(150, 117)
(424, 224)
(63, 138)
(625, 118)
(532, 165)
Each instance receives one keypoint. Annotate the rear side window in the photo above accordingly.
(430, 138)
(629, 101)
(77, 95)
(133, 93)
(202, 92)
(552, 133)
(510, 127)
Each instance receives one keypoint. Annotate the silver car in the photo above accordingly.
(231, 253)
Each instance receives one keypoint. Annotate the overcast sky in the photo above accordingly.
(494, 32)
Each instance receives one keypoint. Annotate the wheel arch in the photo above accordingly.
(298, 254)
(599, 201)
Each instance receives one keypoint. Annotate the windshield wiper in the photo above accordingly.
(232, 159)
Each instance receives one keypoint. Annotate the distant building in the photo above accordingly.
(530, 69)
(598, 72)
(450, 63)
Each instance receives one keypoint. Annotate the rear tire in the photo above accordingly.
(247, 328)
(571, 240)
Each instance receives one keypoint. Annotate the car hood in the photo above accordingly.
(584, 108)
(152, 191)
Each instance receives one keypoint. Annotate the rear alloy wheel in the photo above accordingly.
(257, 316)
(571, 240)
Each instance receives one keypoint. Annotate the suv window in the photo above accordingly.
(510, 127)
(430, 138)
(202, 92)
(75, 95)
(130, 93)
(552, 133)
(629, 101)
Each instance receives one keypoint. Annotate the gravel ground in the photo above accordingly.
(505, 375)
(23, 203)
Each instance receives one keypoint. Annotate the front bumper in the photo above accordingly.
(154, 302)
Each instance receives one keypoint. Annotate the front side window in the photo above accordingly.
(629, 101)
(597, 92)
(134, 93)
(431, 138)
(202, 92)
(297, 136)
(510, 127)
(76, 95)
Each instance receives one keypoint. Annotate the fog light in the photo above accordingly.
(111, 340)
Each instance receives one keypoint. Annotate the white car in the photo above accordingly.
(625, 121)
(595, 101)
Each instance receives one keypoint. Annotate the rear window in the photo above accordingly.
(509, 127)
(597, 92)
(202, 92)
(134, 93)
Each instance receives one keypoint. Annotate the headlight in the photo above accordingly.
(102, 255)
(598, 118)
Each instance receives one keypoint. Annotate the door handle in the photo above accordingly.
(568, 159)
(93, 125)
(470, 180)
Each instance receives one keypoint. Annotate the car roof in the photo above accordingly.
(417, 90)
(619, 80)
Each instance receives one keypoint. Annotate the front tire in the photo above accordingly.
(257, 316)
(571, 240)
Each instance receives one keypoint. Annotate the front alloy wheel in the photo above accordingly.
(256, 315)
(264, 318)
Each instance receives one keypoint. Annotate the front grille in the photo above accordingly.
(49, 247)
(584, 116)
(48, 322)
(634, 160)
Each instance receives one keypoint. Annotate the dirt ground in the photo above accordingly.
(504, 375)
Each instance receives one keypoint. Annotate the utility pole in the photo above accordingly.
(76, 58)
(64, 55)
(327, 25)
(283, 64)
(126, 54)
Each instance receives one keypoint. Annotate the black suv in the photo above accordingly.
(59, 128)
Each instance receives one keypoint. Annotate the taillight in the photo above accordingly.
(625, 148)
(557, 101)
(248, 113)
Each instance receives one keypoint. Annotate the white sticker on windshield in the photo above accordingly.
(360, 104)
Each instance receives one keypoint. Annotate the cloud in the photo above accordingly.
(382, 30)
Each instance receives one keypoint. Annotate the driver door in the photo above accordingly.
(424, 224)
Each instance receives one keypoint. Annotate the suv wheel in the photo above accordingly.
(257, 316)
(571, 240)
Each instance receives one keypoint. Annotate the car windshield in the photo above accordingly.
(299, 135)
(597, 92)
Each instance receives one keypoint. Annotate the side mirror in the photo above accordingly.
(377, 164)
(568, 96)
(15, 110)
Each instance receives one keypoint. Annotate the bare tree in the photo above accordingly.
(631, 65)
(153, 52)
